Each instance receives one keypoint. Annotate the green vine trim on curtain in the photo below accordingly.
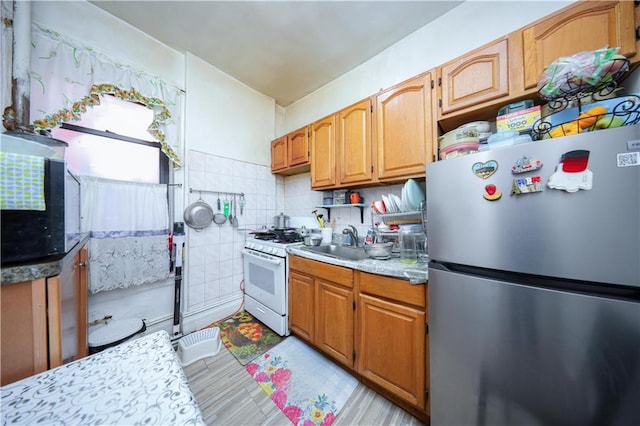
(161, 114)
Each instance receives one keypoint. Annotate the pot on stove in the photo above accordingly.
(281, 221)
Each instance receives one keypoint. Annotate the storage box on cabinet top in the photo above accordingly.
(518, 120)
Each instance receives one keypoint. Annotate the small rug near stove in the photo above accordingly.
(245, 336)
(308, 388)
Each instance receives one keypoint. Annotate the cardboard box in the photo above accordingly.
(518, 120)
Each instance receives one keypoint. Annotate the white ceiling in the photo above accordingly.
(283, 49)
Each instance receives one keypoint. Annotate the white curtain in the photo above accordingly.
(68, 77)
(128, 224)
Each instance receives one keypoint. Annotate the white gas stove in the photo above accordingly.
(266, 279)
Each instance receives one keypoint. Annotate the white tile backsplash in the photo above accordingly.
(214, 255)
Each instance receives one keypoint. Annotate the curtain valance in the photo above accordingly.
(66, 78)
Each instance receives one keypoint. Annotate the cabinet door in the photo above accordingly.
(323, 153)
(301, 305)
(355, 162)
(477, 77)
(23, 331)
(391, 348)
(586, 25)
(334, 321)
(403, 123)
(298, 147)
(279, 154)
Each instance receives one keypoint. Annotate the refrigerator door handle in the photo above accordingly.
(438, 266)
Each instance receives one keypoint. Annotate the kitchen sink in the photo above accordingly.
(339, 252)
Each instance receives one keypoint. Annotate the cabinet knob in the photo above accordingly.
(82, 264)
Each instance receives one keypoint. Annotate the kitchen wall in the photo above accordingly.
(214, 261)
(468, 26)
(300, 201)
(227, 129)
(88, 25)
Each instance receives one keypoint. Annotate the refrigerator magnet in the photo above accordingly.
(571, 173)
(491, 193)
(486, 169)
(526, 164)
(527, 185)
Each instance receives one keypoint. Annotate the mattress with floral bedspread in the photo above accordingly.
(137, 382)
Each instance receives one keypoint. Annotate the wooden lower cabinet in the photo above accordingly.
(372, 324)
(44, 321)
(301, 289)
(321, 307)
(334, 314)
(392, 337)
(391, 347)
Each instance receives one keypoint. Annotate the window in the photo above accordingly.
(111, 141)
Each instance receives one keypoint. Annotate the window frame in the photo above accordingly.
(163, 168)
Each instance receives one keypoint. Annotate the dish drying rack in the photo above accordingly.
(418, 217)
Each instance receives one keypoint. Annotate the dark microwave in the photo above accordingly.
(29, 235)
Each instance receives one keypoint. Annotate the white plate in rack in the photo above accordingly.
(397, 202)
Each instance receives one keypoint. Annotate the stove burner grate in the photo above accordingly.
(283, 236)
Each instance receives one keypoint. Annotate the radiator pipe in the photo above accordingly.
(21, 64)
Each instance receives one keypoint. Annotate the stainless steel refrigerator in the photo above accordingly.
(534, 283)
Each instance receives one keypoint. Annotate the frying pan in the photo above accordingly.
(198, 215)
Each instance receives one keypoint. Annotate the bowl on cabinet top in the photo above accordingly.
(458, 136)
(481, 126)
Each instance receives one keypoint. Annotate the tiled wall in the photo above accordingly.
(214, 258)
(214, 255)
(299, 200)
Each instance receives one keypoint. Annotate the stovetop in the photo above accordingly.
(278, 235)
(274, 241)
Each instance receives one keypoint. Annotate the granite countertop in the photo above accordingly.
(415, 274)
(42, 268)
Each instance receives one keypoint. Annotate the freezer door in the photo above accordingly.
(507, 354)
(591, 235)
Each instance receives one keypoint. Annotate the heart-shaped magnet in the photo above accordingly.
(486, 169)
(492, 193)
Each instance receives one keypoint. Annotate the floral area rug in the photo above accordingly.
(308, 388)
(246, 337)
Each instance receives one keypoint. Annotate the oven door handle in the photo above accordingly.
(277, 261)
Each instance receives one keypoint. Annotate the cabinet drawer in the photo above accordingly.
(394, 289)
(335, 274)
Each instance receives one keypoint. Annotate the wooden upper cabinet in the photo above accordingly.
(323, 152)
(355, 161)
(298, 147)
(581, 26)
(404, 129)
(476, 77)
(279, 154)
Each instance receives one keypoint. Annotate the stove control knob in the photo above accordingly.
(250, 245)
(259, 247)
(274, 250)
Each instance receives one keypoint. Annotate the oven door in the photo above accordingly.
(265, 279)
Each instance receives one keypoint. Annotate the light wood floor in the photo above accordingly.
(228, 395)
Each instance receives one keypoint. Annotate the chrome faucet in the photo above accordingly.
(353, 232)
